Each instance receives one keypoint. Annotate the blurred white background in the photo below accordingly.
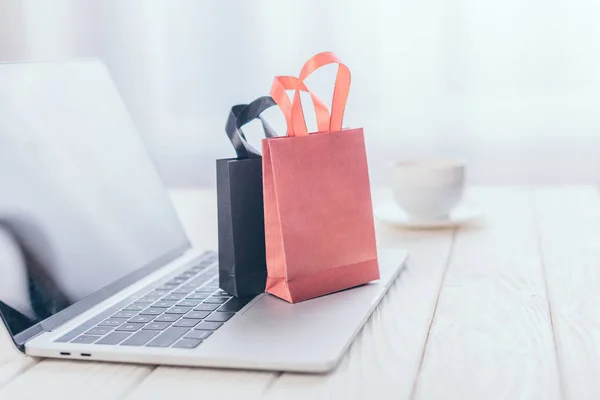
(513, 87)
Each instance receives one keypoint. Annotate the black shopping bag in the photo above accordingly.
(242, 265)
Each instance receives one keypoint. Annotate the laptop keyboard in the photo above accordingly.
(180, 312)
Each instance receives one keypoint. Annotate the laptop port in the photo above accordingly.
(64, 354)
(86, 355)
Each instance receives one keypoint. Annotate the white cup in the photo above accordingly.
(428, 189)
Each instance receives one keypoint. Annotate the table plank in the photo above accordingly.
(492, 336)
(569, 226)
(13, 367)
(196, 383)
(12, 362)
(75, 380)
(385, 357)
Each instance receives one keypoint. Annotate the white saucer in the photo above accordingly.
(392, 214)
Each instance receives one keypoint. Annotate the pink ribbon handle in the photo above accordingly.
(293, 112)
(283, 83)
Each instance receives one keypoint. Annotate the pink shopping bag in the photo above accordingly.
(319, 229)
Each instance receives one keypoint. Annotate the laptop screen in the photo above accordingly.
(81, 204)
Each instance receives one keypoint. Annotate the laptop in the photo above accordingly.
(95, 263)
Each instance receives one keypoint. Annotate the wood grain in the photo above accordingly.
(492, 336)
(75, 380)
(12, 367)
(569, 231)
(12, 362)
(196, 383)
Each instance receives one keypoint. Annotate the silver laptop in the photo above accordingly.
(95, 264)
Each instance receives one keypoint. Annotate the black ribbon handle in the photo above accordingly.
(239, 116)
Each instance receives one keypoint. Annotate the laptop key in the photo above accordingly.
(114, 338)
(208, 326)
(187, 344)
(99, 331)
(146, 300)
(205, 291)
(215, 300)
(220, 316)
(197, 314)
(167, 318)
(141, 319)
(187, 323)
(79, 330)
(152, 297)
(156, 326)
(135, 307)
(152, 311)
(235, 304)
(168, 337)
(200, 335)
(85, 339)
(111, 322)
(174, 297)
(182, 290)
(188, 303)
(130, 327)
(196, 296)
(178, 310)
(206, 307)
(190, 285)
(125, 314)
(204, 295)
(140, 338)
(164, 304)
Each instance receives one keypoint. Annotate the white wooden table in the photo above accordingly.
(507, 310)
